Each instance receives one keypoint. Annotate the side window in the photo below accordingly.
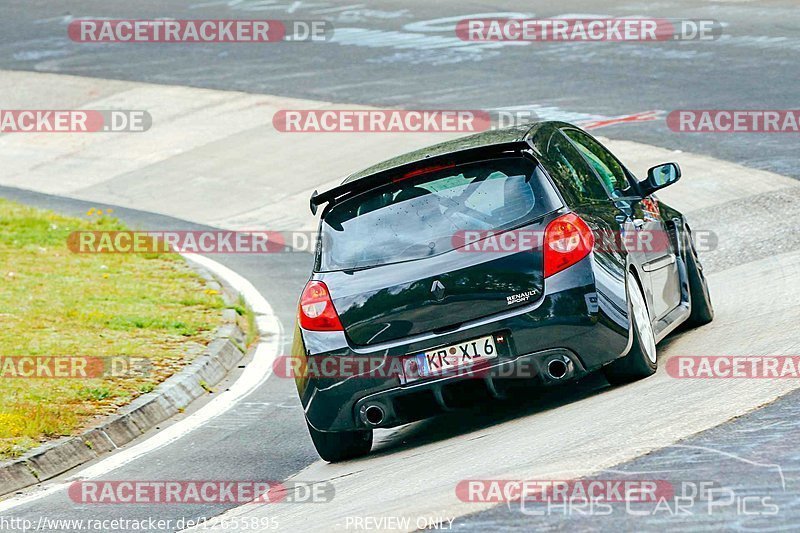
(570, 170)
(604, 163)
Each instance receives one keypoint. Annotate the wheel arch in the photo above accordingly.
(637, 276)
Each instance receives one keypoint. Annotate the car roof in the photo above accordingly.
(487, 138)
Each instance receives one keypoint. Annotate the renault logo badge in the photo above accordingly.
(438, 290)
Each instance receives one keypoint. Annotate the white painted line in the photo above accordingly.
(257, 372)
(583, 437)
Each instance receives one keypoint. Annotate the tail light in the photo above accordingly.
(567, 240)
(316, 309)
(425, 170)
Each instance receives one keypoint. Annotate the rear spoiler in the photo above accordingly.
(386, 176)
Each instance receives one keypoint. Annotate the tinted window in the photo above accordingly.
(604, 163)
(570, 170)
(419, 217)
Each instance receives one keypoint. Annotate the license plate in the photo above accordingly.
(449, 358)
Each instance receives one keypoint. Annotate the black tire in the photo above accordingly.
(702, 310)
(637, 364)
(341, 445)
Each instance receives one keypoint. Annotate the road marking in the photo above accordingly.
(560, 436)
(259, 369)
(711, 182)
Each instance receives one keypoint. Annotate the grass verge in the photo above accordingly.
(57, 303)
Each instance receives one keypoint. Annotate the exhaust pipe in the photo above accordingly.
(557, 369)
(374, 415)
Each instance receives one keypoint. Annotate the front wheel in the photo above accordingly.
(641, 359)
(341, 445)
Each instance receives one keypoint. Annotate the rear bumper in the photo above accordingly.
(574, 320)
(417, 401)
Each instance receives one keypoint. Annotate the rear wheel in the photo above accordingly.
(641, 359)
(702, 310)
(341, 445)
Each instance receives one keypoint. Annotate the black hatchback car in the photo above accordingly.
(445, 275)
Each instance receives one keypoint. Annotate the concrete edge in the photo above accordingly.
(171, 397)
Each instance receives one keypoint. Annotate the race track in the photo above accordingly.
(213, 159)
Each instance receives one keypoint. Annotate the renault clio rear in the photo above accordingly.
(407, 294)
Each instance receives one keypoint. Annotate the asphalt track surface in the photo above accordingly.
(264, 437)
(402, 54)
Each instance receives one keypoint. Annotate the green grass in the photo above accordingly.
(58, 303)
(247, 321)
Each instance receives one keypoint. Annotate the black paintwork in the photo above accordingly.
(579, 315)
(395, 302)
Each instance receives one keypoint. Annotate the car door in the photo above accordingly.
(639, 221)
(583, 192)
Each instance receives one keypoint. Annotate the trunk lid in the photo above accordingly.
(435, 294)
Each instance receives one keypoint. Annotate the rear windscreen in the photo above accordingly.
(417, 217)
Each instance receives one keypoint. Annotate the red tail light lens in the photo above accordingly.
(567, 240)
(316, 309)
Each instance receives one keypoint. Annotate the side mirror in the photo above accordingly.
(659, 177)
